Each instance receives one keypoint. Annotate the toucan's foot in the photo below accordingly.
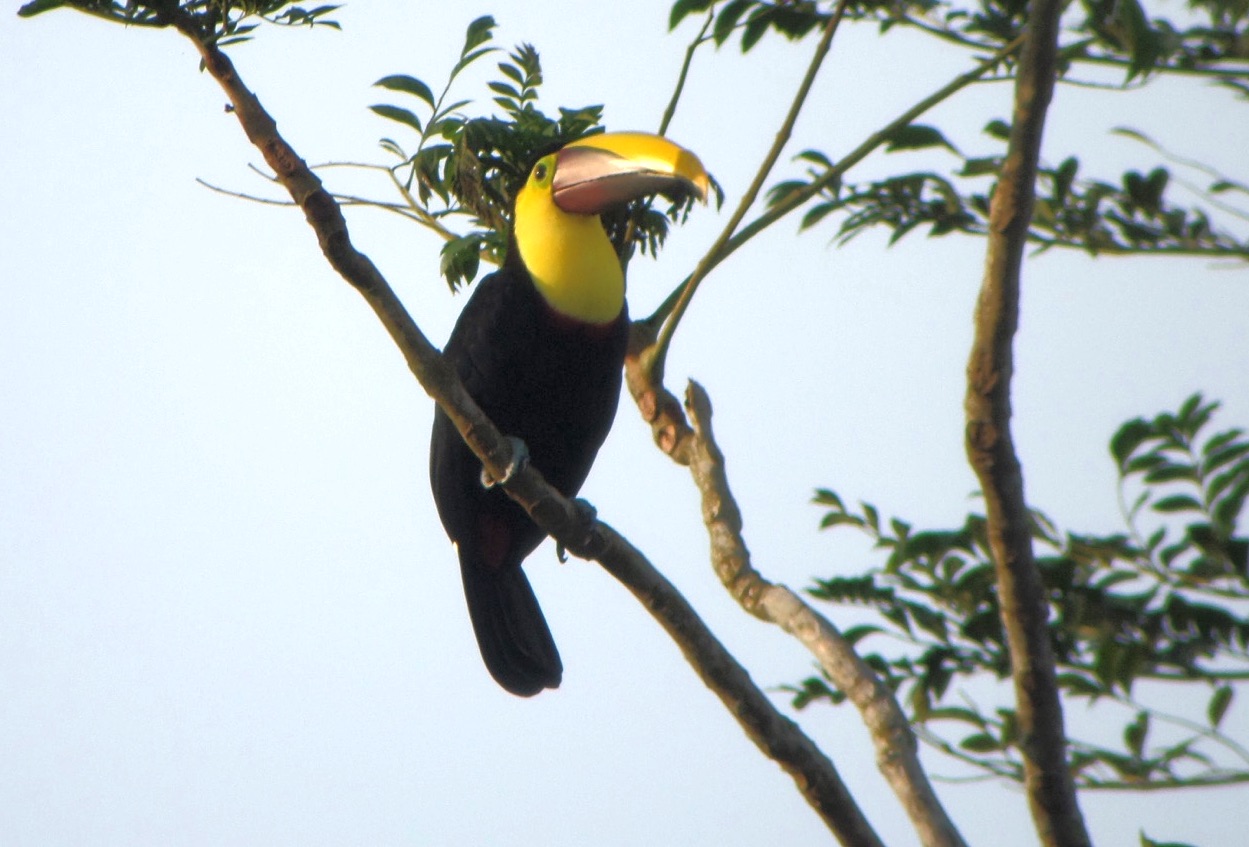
(591, 543)
(520, 458)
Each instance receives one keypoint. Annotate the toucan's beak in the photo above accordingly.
(594, 174)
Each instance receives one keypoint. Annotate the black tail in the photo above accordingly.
(512, 634)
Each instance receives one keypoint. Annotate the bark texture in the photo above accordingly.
(991, 452)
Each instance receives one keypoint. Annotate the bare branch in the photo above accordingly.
(659, 353)
(897, 754)
(1048, 782)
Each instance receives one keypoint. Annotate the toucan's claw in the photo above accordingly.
(516, 464)
(591, 543)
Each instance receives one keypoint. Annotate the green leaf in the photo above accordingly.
(479, 32)
(1217, 458)
(981, 166)
(1080, 685)
(755, 28)
(1178, 503)
(1155, 538)
(828, 497)
(729, 15)
(816, 214)
(956, 713)
(1222, 481)
(814, 689)
(1226, 437)
(901, 528)
(1134, 734)
(855, 634)
(1131, 435)
(1105, 582)
(1146, 841)
(1170, 472)
(1227, 510)
(512, 72)
(504, 89)
(1219, 701)
(461, 259)
(391, 146)
(929, 620)
(998, 128)
(839, 519)
(931, 543)
(1192, 415)
(981, 742)
(815, 157)
(917, 137)
(408, 85)
(1139, 464)
(685, 7)
(39, 7)
(394, 113)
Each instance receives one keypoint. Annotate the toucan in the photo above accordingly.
(540, 347)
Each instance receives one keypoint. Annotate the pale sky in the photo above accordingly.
(228, 613)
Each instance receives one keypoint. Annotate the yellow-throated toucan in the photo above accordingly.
(540, 346)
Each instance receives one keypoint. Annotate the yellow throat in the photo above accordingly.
(569, 257)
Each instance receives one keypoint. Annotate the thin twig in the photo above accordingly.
(685, 70)
(1206, 732)
(834, 174)
(659, 353)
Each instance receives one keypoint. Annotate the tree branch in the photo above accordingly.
(658, 354)
(774, 734)
(698, 41)
(897, 754)
(789, 203)
(1024, 610)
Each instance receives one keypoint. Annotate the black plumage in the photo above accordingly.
(554, 383)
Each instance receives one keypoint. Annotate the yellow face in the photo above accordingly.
(569, 257)
(557, 229)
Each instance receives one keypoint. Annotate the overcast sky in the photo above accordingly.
(228, 613)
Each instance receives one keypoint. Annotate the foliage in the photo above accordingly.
(1163, 602)
(1135, 216)
(1132, 213)
(221, 21)
(753, 18)
(1117, 33)
(473, 166)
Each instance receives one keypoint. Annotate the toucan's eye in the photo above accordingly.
(544, 171)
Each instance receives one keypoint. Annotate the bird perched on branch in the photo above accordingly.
(540, 346)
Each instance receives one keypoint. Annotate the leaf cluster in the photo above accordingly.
(1209, 36)
(1135, 215)
(1184, 474)
(1163, 606)
(471, 167)
(753, 19)
(222, 22)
